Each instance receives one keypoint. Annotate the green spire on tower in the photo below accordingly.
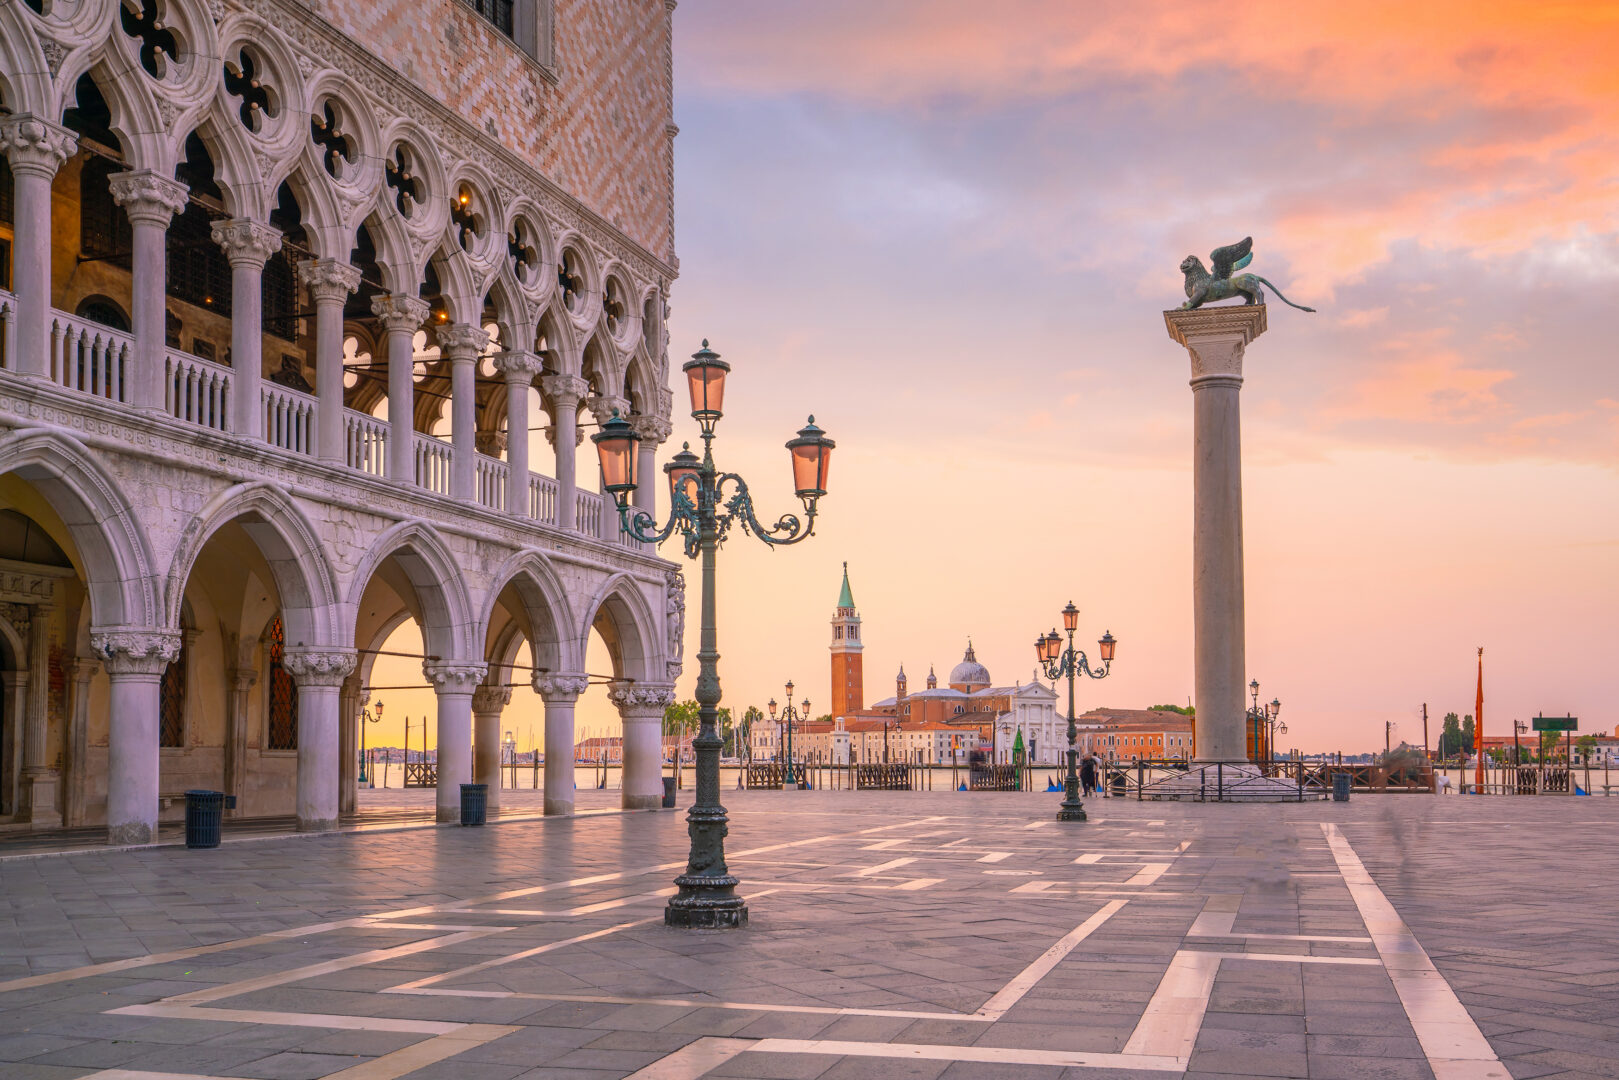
(846, 597)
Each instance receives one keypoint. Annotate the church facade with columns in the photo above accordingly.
(302, 314)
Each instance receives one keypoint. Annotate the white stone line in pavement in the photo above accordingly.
(523, 955)
(335, 1021)
(142, 1074)
(912, 885)
(1149, 873)
(994, 1055)
(693, 1060)
(892, 864)
(565, 913)
(1169, 1025)
(1452, 1042)
(409, 1059)
(1288, 958)
(1013, 991)
(995, 856)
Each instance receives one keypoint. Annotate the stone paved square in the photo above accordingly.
(928, 934)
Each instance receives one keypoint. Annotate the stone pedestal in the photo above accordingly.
(560, 693)
(1216, 338)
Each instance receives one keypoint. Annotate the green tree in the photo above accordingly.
(1184, 710)
(1450, 737)
(722, 720)
(1548, 744)
(1467, 734)
(1587, 745)
(680, 718)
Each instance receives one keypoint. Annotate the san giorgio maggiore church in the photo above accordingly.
(303, 311)
(934, 725)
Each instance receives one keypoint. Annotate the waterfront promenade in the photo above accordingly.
(938, 934)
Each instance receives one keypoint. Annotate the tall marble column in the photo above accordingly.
(135, 659)
(349, 700)
(35, 149)
(248, 245)
(488, 706)
(560, 693)
(641, 707)
(329, 283)
(41, 781)
(654, 432)
(242, 681)
(565, 392)
(82, 670)
(461, 344)
(1216, 337)
(519, 369)
(319, 674)
(401, 317)
(150, 201)
(454, 682)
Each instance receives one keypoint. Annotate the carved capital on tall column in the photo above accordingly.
(491, 699)
(328, 280)
(559, 688)
(454, 676)
(319, 667)
(1216, 337)
(603, 406)
(654, 430)
(246, 242)
(640, 699)
(35, 145)
(148, 198)
(136, 650)
(490, 443)
(461, 341)
(399, 312)
(518, 367)
(565, 390)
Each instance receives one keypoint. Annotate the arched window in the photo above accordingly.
(101, 309)
(283, 711)
(172, 698)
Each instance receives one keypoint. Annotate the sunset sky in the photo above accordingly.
(949, 229)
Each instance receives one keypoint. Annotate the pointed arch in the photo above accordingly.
(25, 85)
(310, 603)
(435, 574)
(549, 616)
(116, 555)
(621, 614)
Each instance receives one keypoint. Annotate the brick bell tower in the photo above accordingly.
(848, 689)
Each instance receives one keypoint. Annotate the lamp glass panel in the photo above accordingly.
(810, 465)
(707, 385)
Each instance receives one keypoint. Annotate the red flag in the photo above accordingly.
(1478, 726)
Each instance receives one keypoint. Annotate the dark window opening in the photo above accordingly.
(104, 231)
(283, 714)
(172, 701)
(8, 194)
(497, 12)
(198, 271)
(99, 309)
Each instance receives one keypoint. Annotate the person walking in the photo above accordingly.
(1087, 776)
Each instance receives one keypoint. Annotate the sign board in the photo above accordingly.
(1556, 723)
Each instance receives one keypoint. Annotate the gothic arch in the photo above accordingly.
(25, 85)
(116, 554)
(620, 613)
(545, 607)
(288, 542)
(447, 622)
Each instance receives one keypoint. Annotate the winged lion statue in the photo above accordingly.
(1203, 287)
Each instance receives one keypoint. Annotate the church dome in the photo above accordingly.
(969, 672)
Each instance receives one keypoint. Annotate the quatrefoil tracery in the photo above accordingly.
(520, 249)
(242, 80)
(408, 187)
(570, 280)
(336, 147)
(158, 46)
(613, 305)
(466, 221)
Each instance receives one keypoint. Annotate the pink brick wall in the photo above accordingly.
(599, 131)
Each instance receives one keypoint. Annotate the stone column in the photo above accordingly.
(242, 681)
(248, 244)
(35, 149)
(349, 701)
(41, 781)
(461, 344)
(329, 283)
(81, 670)
(135, 660)
(319, 674)
(559, 692)
(519, 369)
(488, 705)
(401, 317)
(454, 681)
(151, 201)
(565, 392)
(1216, 337)
(654, 432)
(641, 707)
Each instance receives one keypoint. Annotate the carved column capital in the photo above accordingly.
(246, 242)
(319, 667)
(136, 650)
(557, 688)
(399, 312)
(519, 367)
(1216, 337)
(328, 280)
(640, 699)
(148, 197)
(603, 406)
(461, 341)
(454, 676)
(565, 390)
(491, 699)
(34, 145)
(652, 429)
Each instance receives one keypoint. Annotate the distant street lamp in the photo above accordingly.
(1263, 718)
(1058, 662)
(703, 513)
(788, 715)
(367, 718)
(509, 746)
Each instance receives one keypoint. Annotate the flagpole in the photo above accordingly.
(1478, 726)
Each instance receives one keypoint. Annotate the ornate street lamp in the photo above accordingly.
(1071, 662)
(367, 718)
(788, 715)
(703, 512)
(1262, 718)
(509, 745)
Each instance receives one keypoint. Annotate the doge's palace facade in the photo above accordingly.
(285, 291)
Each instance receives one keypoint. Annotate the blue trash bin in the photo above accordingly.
(668, 793)
(474, 803)
(205, 818)
(1340, 787)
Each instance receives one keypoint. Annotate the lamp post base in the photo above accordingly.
(706, 903)
(1072, 809)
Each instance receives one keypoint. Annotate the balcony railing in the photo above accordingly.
(89, 357)
(489, 482)
(289, 418)
(587, 513)
(365, 443)
(542, 498)
(197, 390)
(432, 458)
